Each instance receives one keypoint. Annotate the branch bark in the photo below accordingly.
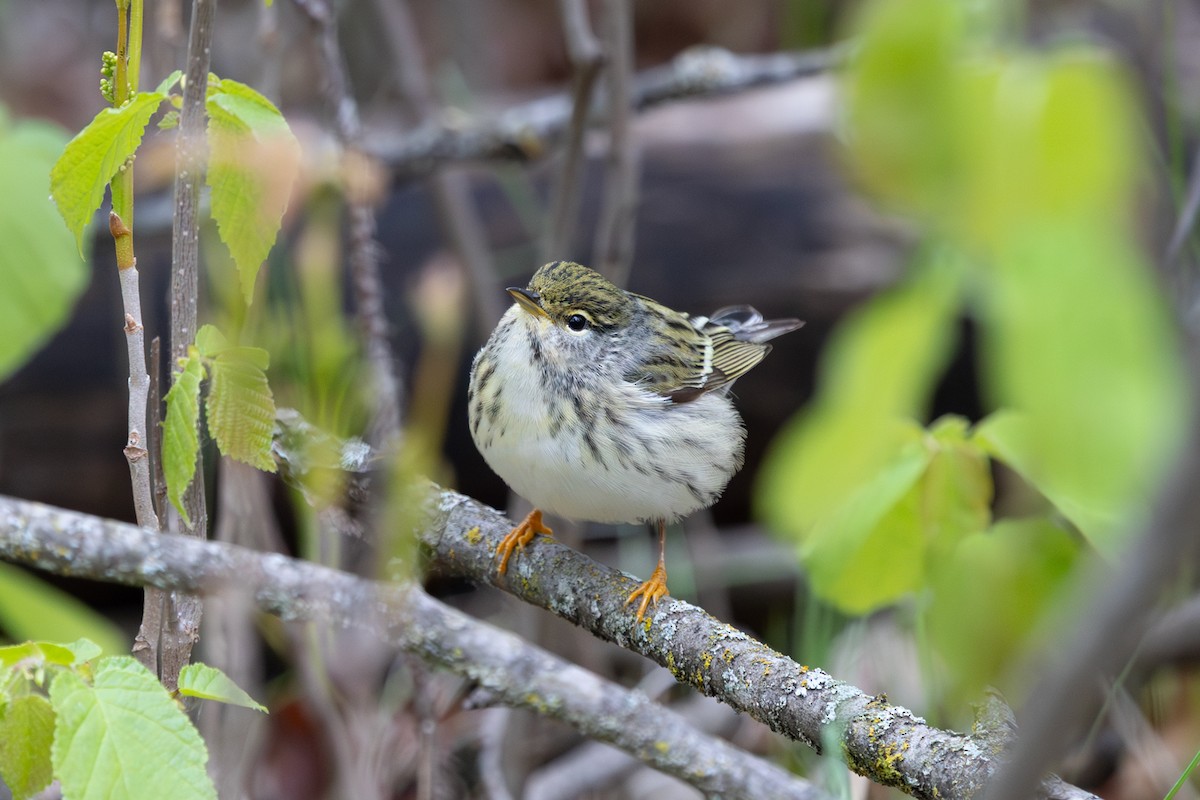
(70, 543)
(886, 743)
(181, 627)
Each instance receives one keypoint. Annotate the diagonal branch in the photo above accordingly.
(529, 131)
(70, 543)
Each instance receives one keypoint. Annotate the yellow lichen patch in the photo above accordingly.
(662, 747)
(727, 656)
(474, 536)
(707, 659)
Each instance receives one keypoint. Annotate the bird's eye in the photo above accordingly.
(577, 322)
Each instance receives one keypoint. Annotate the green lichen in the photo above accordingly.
(474, 536)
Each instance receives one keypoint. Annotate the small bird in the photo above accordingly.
(599, 404)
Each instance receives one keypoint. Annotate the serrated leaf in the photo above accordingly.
(181, 436)
(40, 271)
(241, 408)
(253, 161)
(210, 683)
(123, 736)
(31, 608)
(26, 735)
(90, 160)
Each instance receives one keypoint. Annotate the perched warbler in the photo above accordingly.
(599, 404)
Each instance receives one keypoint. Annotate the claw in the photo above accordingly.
(521, 535)
(651, 591)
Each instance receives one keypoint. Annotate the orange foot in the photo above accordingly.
(520, 536)
(650, 591)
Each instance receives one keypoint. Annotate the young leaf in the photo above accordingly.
(91, 159)
(40, 273)
(241, 408)
(210, 683)
(123, 736)
(31, 608)
(253, 160)
(181, 437)
(26, 734)
(210, 341)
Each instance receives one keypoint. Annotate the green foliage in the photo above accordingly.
(94, 156)
(181, 439)
(240, 410)
(1021, 168)
(40, 273)
(121, 735)
(253, 159)
(103, 728)
(26, 734)
(210, 683)
(989, 593)
(30, 608)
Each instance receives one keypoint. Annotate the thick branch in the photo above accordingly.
(530, 130)
(886, 743)
(69, 543)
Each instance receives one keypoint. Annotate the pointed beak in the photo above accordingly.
(528, 300)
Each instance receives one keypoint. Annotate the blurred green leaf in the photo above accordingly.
(990, 595)
(123, 736)
(40, 270)
(181, 437)
(90, 160)
(26, 733)
(241, 408)
(253, 162)
(210, 683)
(32, 609)
(878, 371)
(1078, 341)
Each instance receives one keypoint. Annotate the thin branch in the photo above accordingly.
(613, 254)
(587, 58)
(451, 189)
(364, 251)
(531, 130)
(182, 612)
(70, 543)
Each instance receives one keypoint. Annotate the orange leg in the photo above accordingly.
(520, 536)
(655, 588)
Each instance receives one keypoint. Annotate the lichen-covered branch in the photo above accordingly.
(70, 543)
(884, 742)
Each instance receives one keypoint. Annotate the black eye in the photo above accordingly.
(577, 322)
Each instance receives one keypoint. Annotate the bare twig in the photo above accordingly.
(183, 612)
(364, 251)
(531, 130)
(587, 59)
(451, 189)
(69, 543)
(613, 254)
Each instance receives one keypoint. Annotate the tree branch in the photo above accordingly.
(70, 543)
(528, 131)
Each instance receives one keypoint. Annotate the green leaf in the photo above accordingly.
(26, 734)
(241, 408)
(90, 160)
(40, 271)
(123, 736)
(181, 436)
(210, 341)
(210, 683)
(169, 82)
(31, 608)
(990, 596)
(878, 371)
(253, 162)
(1079, 342)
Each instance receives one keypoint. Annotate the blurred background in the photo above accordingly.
(738, 196)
